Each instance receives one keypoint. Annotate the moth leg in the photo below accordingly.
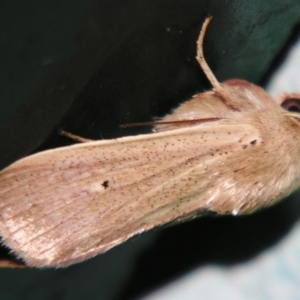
(75, 137)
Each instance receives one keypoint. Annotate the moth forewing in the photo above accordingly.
(66, 205)
(75, 202)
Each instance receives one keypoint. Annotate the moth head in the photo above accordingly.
(290, 103)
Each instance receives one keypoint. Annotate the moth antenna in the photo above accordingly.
(201, 60)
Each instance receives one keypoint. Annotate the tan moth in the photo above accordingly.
(231, 150)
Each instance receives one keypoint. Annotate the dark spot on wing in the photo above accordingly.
(105, 184)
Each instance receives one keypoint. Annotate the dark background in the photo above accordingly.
(89, 66)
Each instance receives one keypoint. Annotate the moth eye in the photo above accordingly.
(291, 104)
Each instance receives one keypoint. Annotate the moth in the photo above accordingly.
(231, 150)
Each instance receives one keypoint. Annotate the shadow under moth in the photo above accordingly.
(231, 150)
